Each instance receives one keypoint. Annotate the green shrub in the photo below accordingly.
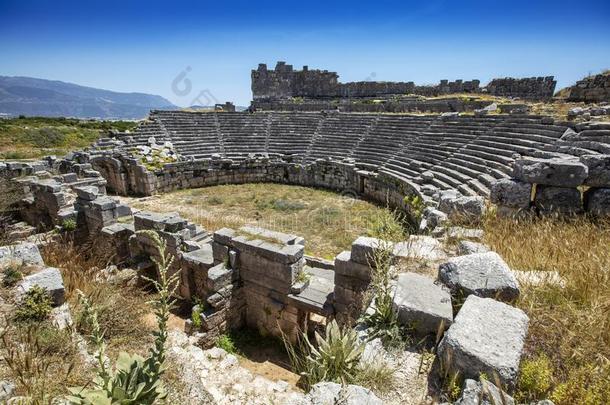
(226, 343)
(34, 306)
(535, 378)
(196, 317)
(68, 225)
(46, 137)
(586, 385)
(12, 274)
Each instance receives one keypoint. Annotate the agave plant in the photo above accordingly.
(332, 357)
(337, 354)
(134, 380)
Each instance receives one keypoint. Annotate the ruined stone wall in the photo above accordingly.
(338, 176)
(387, 106)
(534, 88)
(564, 186)
(592, 89)
(285, 83)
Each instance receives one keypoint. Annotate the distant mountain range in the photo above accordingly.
(49, 98)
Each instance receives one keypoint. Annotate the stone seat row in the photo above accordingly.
(460, 152)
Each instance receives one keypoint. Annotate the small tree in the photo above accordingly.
(134, 380)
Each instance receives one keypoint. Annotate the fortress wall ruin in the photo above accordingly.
(371, 106)
(593, 89)
(285, 83)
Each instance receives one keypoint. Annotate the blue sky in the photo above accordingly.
(144, 45)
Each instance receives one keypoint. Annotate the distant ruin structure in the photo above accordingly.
(286, 88)
(592, 89)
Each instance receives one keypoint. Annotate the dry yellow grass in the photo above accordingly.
(121, 310)
(570, 324)
(328, 222)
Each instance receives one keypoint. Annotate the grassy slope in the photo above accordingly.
(328, 222)
(26, 138)
(569, 325)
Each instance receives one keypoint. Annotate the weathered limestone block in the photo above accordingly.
(220, 277)
(559, 172)
(87, 193)
(563, 200)
(487, 336)
(481, 274)
(220, 252)
(511, 193)
(597, 201)
(483, 393)
(468, 207)
(344, 266)
(194, 274)
(365, 248)
(50, 279)
(286, 254)
(422, 304)
(599, 170)
(332, 393)
(284, 238)
(24, 253)
(435, 218)
(419, 247)
(283, 272)
(466, 247)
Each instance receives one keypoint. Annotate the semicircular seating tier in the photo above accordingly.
(465, 153)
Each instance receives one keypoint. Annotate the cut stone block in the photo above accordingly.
(344, 266)
(599, 170)
(511, 193)
(562, 200)
(365, 248)
(560, 172)
(87, 193)
(50, 279)
(487, 336)
(332, 393)
(481, 274)
(24, 253)
(466, 247)
(457, 232)
(421, 304)
(219, 277)
(420, 247)
(597, 201)
(483, 393)
(281, 237)
(470, 207)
